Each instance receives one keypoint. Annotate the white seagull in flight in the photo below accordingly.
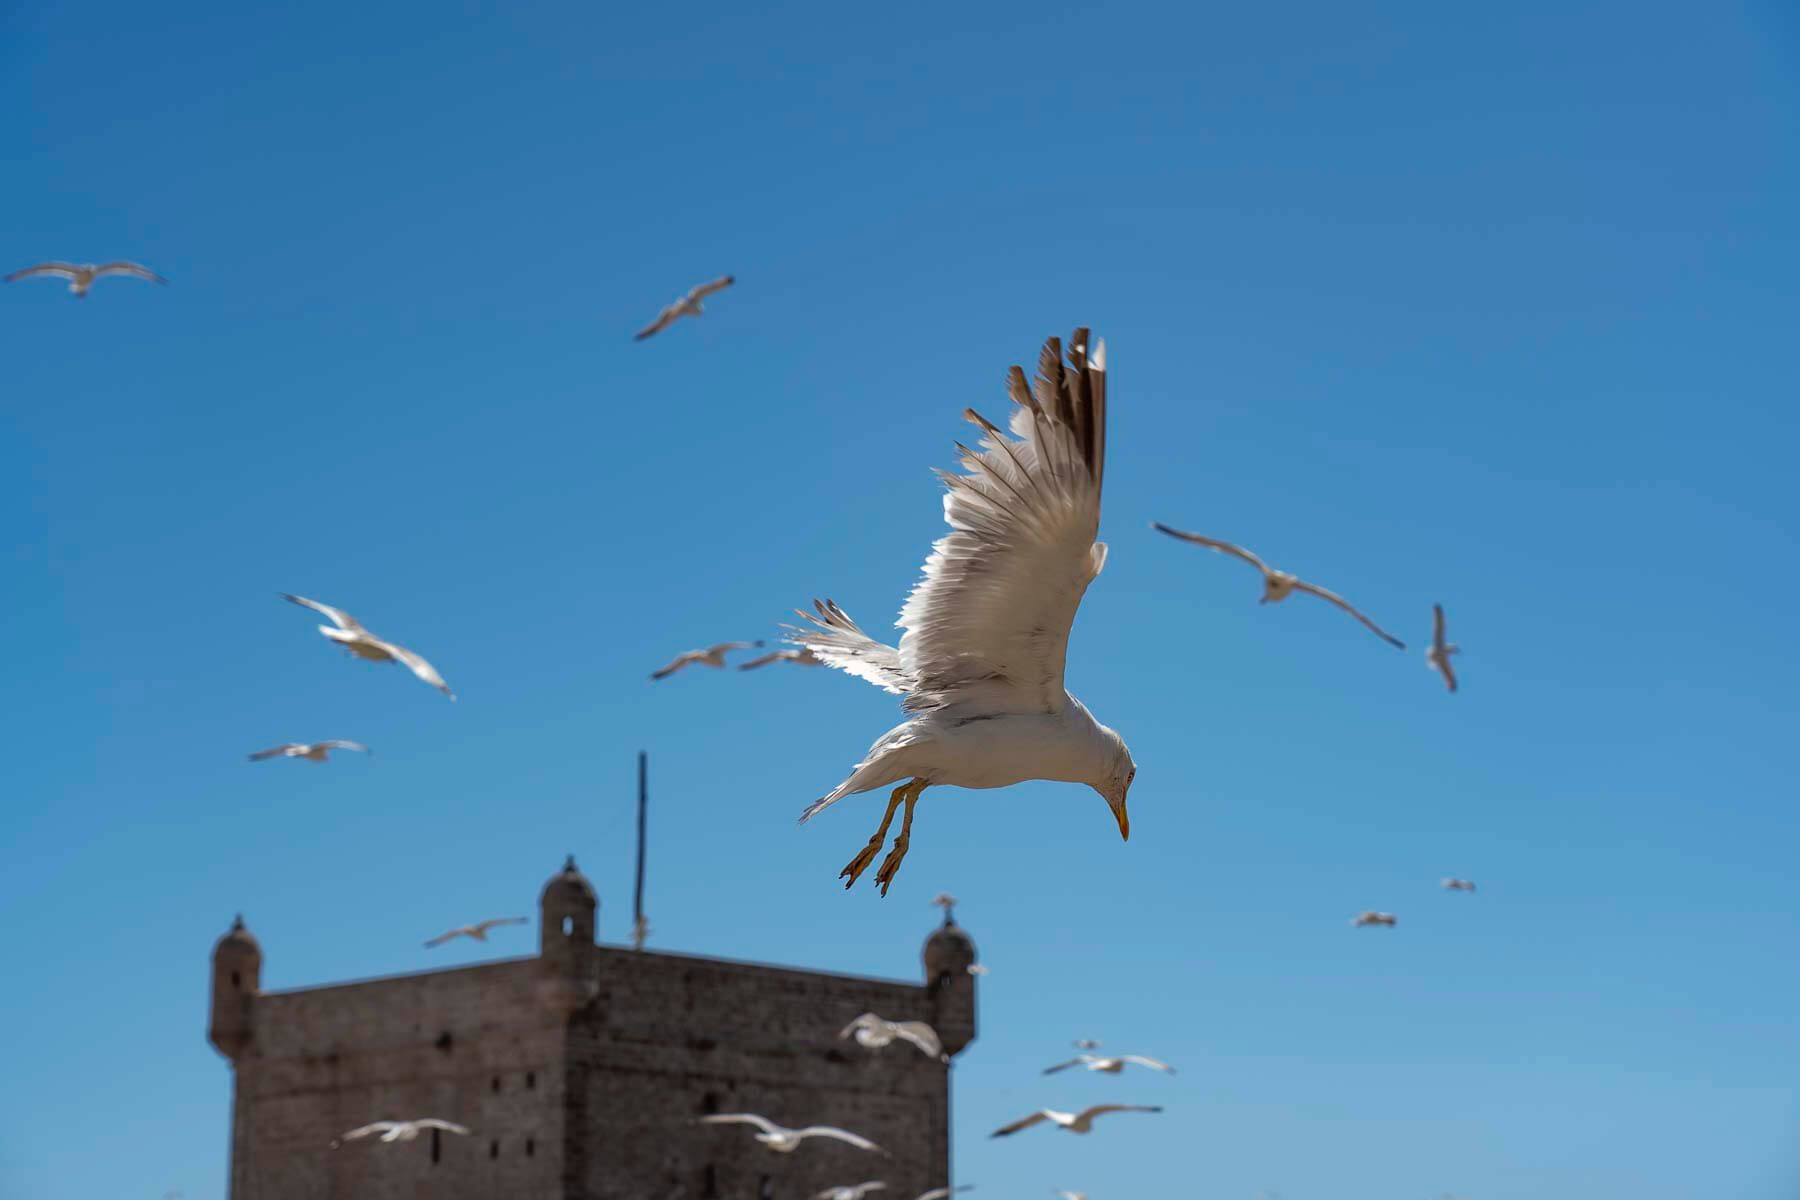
(311, 751)
(399, 1131)
(1080, 1122)
(81, 276)
(1459, 885)
(477, 932)
(938, 1193)
(875, 1032)
(785, 1140)
(686, 306)
(1437, 655)
(855, 1191)
(801, 657)
(987, 628)
(1110, 1065)
(347, 632)
(1371, 917)
(712, 656)
(1279, 585)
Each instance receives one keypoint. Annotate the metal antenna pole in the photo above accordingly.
(638, 928)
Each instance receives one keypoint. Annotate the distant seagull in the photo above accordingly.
(687, 306)
(1459, 885)
(800, 658)
(947, 902)
(977, 969)
(1080, 1122)
(1279, 585)
(712, 656)
(1112, 1066)
(1372, 917)
(353, 637)
(1437, 655)
(941, 1192)
(853, 1191)
(81, 276)
(785, 1140)
(1087, 1044)
(874, 1032)
(476, 932)
(399, 1131)
(311, 751)
(1071, 1195)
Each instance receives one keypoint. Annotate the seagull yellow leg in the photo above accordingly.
(861, 862)
(891, 864)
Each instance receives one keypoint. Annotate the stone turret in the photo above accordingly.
(236, 980)
(949, 953)
(567, 915)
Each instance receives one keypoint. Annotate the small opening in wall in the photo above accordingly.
(766, 1189)
(710, 1187)
(496, 1086)
(437, 1145)
(493, 1149)
(236, 982)
(444, 1041)
(530, 1147)
(568, 926)
(531, 1079)
(709, 1103)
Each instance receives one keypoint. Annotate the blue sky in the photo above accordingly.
(1490, 308)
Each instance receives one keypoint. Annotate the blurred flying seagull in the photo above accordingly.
(1112, 1066)
(1071, 1195)
(81, 276)
(938, 1193)
(1279, 585)
(875, 1032)
(977, 969)
(686, 306)
(987, 627)
(1459, 885)
(785, 1140)
(712, 656)
(347, 632)
(399, 1131)
(311, 751)
(477, 932)
(1087, 1043)
(1371, 917)
(1080, 1122)
(851, 1191)
(947, 902)
(1437, 655)
(800, 658)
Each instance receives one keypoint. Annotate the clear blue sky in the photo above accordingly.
(1493, 307)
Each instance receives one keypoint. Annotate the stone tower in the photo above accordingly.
(580, 1072)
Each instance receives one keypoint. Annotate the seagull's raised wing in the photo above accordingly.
(336, 616)
(842, 1135)
(1102, 1109)
(273, 751)
(1022, 1123)
(366, 1130)
(762, 1123)
(861, 1022)
(1214, 544)
(1300, 585)
(459, 931)
(679, 661)
(921, 1035)
(988, 625)
(418, 666)
(341, 744)
(61, 270)
(1153, 1063)
(661, 323)
(839, 642)
(446, 1126)
(128, 268)
(702, 291)
(493, 922)
(764, 660)
(941, 1192)
(1073, 1062)
(728, 647)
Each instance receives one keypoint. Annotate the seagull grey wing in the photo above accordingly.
(341, 744)
(440, 939)
(762, 1123)
(988, 624)
(272, 751)
(662, 322)
(839, 642)
(128, 268)
(762, 661)
(496, 922)
(1102, 1109)
(702, 291)
(446, 1126)
(921, 1035)
(365, 1130)
(336, 616)
(1073, 1062)
(861, 1022)
(1022, 1123)
(941, 1192)
(728, 647)
(60, 270)
(675, 664)
(1300, 585)
(1437, 626)
(842, 1135)
(1153, 1063)
(418, 666)
(1237, 552)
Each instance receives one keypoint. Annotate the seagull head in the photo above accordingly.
(1120, 772)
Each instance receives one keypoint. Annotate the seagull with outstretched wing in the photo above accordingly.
(1370, 917)
(712, 656)
(939, 1193)
(1111, 1065)
(875, 1032)
(1459, 885)
(784, 1140)
(348, 632)
(800, 657)
(987, 628)
(687, 306)
(1279, 585)
(81, 276)
(1081, 1122)
(476, 932)
(311, 751)
(399, 1131)
(850, 1191)
(1437, 655)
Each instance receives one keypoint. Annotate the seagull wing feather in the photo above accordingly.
(1300, 585)
(839, 642)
